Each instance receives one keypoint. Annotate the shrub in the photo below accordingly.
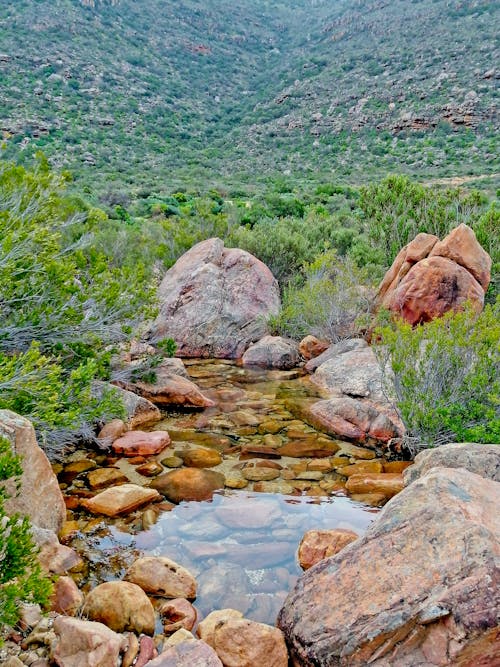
(333, 303)
(445, 376)
(21, 577)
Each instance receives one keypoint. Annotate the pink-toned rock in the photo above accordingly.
(421, 587)
(386, 483)
(86, 644)
(342, 347)
(409, 255)
(319, 544)
(311, 347)
(177, 613)
(187, 654)
(66, 599)
(244, 643)
(39, 497)
(141, 443)
(170, 390)
(120, 499)
(121, 606)
(161, 576)
(352, 419)
(215, 301)
(112, 430)
(188, 484)
(462, 247)
(433, 287)
(147, 651)
(54, 557)
(272, 352)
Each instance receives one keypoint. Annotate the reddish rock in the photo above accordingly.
(215, 301)
(66, 599)
(421, 587)
(319, 544)
(244, 643)
(303, 448)
(121, 606)
(311, 347)
(163, 577)
(188, 484)
(147, 651)
(120, 499)
(54, 557)
(170, 389)
(361, 467)
(86, 644)
(352, 419)
(187, 654)
(113, 430)
(433, 287)
(371, 482)
(39, 496)
(177, 613)
(462, 247)
(102, 477)
(272, 352)
(141, 443)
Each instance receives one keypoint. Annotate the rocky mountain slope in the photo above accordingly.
(131, 92)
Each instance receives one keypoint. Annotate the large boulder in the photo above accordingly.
(215, 301)
(481, 459)
(273, 352)
(245, 643)
(121, 606)
(39, 497)
(421, 587)
(188, 484)
(161, 576)
(139, 410)
(430, 277)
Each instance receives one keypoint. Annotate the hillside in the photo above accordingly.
(135, 94)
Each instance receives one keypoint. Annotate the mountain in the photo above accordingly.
(136, 94)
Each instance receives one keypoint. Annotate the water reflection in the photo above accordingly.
(240, 546)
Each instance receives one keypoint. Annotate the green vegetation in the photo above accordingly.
(21, 577)
(446, 377)
(153, 96)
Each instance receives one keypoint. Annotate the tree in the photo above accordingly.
(21, 577)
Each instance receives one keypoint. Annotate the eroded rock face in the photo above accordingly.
(421, 587)
(215, 301)
(481, 459)
(273, 352)
(39, 498)
(121, 606)
(430, 277)
(86, 644)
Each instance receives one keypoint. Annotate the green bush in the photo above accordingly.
(445, 377)
(21, 577)
(333, 303)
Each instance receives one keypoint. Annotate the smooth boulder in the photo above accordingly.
(245, 643)
(273, 352)
(215, 301)
(419, 588)
(161, 576)
(121, 606)
(188, 484)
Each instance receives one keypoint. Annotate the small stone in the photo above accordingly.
(112, 430)
(373, 499)
(258, 474)
(177, 613)
(179, 636)
(142, 443)
(200, 458)
(172, 462)
(83, 465)
(150, 469)
(319, 544)
(236, 483)
(120, 499)
(66, 599)
(361, 467)
(387, 483)
(132, 650)
(102, 477)
(206, 627)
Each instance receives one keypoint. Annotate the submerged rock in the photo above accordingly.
(319, 544)
(188, 484)
(215, 301)
(162, 576)
(419, 588)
